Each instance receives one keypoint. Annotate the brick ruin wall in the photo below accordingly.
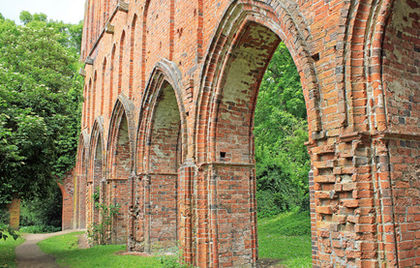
(170, 91)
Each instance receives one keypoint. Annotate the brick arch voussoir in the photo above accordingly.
(164, 71)
(371, 17)
(278, 18)
(123, 106)
(134, 19)
(97, 134)
(80, 176)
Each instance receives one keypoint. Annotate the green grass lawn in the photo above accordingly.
(7, 251)
(285, 237)
(67, 253)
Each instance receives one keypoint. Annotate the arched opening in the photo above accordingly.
(111, 81)
(227, 166)
(120, 165)
(401, 75)
(132, 48)
(103, 86)
(80, 186)
(97, 179)
(89, 103)
(120, 63)
(164, 157)
(234, 177)
(94, 92)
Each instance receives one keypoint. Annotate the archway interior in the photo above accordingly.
(119, 186)
(97, 178)
(82, 185)
(234, 194)
(164, 160)
(401, 75)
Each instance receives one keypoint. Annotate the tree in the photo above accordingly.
(280, 131)
(40, 97)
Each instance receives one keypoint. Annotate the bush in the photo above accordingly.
(280, 130)
(4, 216)
(267, 204)
(99, 233)
(37, 229)
(43, 211)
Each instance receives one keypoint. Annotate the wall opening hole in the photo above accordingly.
(315, 57)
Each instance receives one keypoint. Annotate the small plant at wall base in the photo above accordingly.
(6, 231)
(174, 260)
(99, 232)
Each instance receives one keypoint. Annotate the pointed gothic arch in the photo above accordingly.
(160, 153)
(232, 71)
(96, 170)
(119, 164)
(80, 181)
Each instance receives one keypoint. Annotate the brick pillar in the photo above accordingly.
(226, 234)
(67, 192)
(313, 217)
(185, 177)
(14, 212)
(136, 236)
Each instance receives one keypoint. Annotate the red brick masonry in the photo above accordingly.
(170, 91)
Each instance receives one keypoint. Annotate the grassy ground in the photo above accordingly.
(66, 251)
(7, 251)
(285, 237)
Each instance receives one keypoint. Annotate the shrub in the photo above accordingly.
(38, 229)
(99, 232)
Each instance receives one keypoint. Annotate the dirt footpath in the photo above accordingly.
(29, 255)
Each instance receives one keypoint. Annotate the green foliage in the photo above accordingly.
(280, 131)
(40, 96)
(6, 232)
(7, 251)
(42, 214)
(99, 233)
(40, 229)
(174, 260)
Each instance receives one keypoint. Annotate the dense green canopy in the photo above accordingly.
(40, 96)
(280, 133)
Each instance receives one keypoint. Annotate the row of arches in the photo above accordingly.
(94, 91)
(183, 169)
(107, 167)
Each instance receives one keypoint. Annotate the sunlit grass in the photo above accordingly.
(286, 237)
(65, 249)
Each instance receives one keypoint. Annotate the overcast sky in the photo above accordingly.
(65, 10)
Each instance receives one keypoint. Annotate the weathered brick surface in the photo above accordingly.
(173, 85)
(14, 213)
(67, 193)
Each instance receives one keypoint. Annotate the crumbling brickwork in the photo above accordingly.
(170, 92)
(67, 193)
